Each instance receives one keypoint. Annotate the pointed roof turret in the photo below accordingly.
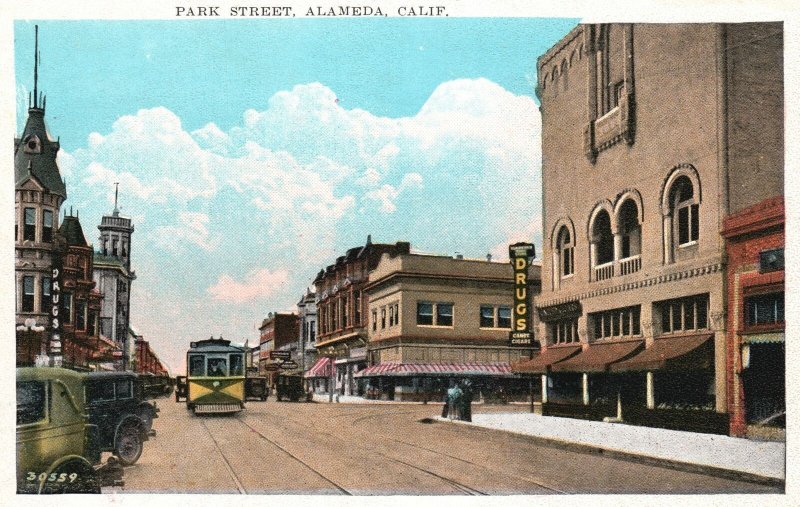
(72, 231)
(34, 151)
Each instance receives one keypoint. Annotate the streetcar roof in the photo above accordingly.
(202, 349)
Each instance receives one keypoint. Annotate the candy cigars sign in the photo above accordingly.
(521, 255)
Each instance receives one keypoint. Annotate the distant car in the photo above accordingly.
(116, 404)
(256, 388)
(289, 386)
(56, 447)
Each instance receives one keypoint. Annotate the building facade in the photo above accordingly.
(662, 121)
(147, 360)
(307, 339)
(278, 332)
(114, 277)
(435, 319)
(341, 311)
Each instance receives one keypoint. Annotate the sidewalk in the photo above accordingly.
(701, 450)
(323, 398)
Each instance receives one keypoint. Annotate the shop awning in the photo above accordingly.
(436, 369)
(548, 357)
(322, 368)
(678, 352)
(764, 338)
(599, 356)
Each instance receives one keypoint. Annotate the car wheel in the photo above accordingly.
(74, 476)
(129, 445)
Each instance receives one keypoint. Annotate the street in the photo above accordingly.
(350, 449)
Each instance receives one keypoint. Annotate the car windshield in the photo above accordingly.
(30, 402)
(217, 367)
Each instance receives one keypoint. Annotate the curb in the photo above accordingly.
(724, 473)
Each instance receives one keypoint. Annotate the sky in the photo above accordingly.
(250, 154)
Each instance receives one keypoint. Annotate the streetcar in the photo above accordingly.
(215, 377)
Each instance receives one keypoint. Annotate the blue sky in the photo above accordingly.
(251, 153)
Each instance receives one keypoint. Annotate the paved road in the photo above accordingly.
(340, 449)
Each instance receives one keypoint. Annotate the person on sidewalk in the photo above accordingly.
(454, 395)
(465, 414)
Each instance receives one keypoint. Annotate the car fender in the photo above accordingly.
(151, 407)
(130, 419)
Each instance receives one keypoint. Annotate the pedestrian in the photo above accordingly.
(466, 402)
(446, 405)
(454, 393)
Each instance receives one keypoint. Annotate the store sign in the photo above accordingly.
(557, 312)
(289, 365)
(521, 255)
(55, 310)
(280, 354)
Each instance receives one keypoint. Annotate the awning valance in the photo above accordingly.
(599, 356)
(540, 363)
(322, 368)
(436, 369)
(764, 338)
(678, 353)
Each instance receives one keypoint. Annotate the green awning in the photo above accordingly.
(764, 338)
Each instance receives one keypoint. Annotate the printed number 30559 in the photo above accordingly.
(54, 477)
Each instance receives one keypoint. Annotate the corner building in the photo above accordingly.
(670, 128)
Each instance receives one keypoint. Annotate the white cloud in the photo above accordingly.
(387, 194)
(192, 228)
(258, 284)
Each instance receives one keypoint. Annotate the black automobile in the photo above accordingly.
(116, 404)
(289, 386)
(256, 388)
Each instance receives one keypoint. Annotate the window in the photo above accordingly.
(619, 90)
(603, 239)
(617, 323)
(357, 311)
(66, 317)
(99, 391)
(566, 252)
(685, 211)
(444, 314)
(683, 314)
(374, 320)
(31, 402)
(114, 246)
(46, 301)
(27, 293)
(80, 315)
(630, 230)
(765, 309)
(29, 234)
(396, 313)
(47, 226)
(564, 331)
(124, 389)
(487, 316)
(92, 322)
(312, 332)
(236, 365)
(217, 367)
(383, 317)
(495, 316)
(771, 260)
(424, 314)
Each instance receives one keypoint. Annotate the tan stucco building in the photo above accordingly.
(435, 318)
(661, 123)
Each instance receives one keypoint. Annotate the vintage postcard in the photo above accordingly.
(393, 249)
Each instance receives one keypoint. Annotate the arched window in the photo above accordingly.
(685, 212)
(629, 229)
(603, 238)
(566, 252)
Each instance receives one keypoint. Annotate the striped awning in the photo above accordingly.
(764, 338)
(322, 368)
(436, 369)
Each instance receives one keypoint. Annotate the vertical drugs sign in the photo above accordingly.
(55, 351)
(521, 255)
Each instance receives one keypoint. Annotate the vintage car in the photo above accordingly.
(256, 388)
(124, 419)
(289, 386)
(57, 448)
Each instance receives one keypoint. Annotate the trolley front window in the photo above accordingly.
(217, 367)
(236, 365)
(197, 366)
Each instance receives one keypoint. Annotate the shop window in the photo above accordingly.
(47, 226)
(27, 293)
(683, 314)
(564, 330)
(616, 323)
(29, 233)
(765, 309)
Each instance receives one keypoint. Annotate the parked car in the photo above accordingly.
(289, 386)
(256, 388)
(57, 448)
(116, 404)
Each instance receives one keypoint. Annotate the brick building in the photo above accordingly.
(278, 331)
(436, 319)
(341, 310)
(147, 360)
(672, 127)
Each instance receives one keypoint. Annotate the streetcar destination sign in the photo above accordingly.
(521, 255)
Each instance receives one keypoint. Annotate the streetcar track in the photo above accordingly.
(233, 475)
(293, 456)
